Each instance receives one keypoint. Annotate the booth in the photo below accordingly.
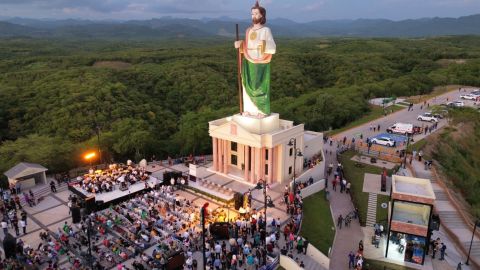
(410, 218)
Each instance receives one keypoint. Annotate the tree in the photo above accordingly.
(54, 153)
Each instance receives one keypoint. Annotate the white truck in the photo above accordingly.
(401, 128)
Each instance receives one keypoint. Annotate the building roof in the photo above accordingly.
(23, 169)
(412, 189)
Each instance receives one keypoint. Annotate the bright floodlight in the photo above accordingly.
(90, 155)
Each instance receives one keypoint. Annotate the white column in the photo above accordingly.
(252, 162)
(225, 159)
(258, 163)
(270, 164)
(246, 158)
(215, 154)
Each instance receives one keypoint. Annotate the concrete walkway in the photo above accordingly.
(346, 239)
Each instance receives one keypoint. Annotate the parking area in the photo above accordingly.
(399, 139)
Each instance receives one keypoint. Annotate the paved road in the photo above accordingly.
(405, 116)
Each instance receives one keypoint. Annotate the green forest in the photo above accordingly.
(60, 98)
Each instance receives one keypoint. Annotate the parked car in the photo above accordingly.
(456, 104)
(384, 141)
(469, 96)
(429, 117)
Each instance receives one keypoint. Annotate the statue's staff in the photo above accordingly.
(239, 72)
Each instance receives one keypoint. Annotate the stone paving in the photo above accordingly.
(51, 209)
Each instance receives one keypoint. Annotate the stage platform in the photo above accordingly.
(107, 197)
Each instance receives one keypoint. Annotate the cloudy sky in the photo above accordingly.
(298, 10)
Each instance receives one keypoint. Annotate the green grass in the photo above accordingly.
(376, 112)
(355, 175)
(380, 265)
(382, 213)
(417, 146)
(317, 222)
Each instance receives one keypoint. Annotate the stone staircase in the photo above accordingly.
(372, 210)
(440, 195)
(452, 220)
(475, 253)
(41, 191)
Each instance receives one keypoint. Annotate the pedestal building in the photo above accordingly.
(250, 149)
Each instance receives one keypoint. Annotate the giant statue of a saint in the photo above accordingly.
(257, 50)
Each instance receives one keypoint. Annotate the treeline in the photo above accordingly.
(157, 99)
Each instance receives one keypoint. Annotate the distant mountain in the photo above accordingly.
(169, 27)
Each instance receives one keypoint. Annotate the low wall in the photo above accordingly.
(287, 263)
(318, 256)
(312, 189)
(317, 172)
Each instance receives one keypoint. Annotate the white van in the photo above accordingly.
(401, 128)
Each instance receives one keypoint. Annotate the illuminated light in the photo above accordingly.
(90, 155)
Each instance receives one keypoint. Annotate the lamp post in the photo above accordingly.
(405, 154)
(477, 224)
(203, 213)
(97, 130)
(267, 203)
(297, 152)
(89, 228)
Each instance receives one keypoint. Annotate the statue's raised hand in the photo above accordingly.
(238, 44)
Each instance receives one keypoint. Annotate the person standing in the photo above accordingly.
(18, 187)
(4, 227)
(435, 249)
(27, 199)
(15, 225)
(52, 187)
(305, 245)
(23, 225)
(351, 260)
(334, 183)
(32, 196)
(23, 216)
(442, 251)
(17, 201)
(340, 221)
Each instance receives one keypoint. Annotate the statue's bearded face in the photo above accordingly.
(256, 16)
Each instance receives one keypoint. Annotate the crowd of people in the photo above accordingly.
(112, 178)
(151, 228)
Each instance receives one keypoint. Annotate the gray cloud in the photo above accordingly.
(108, 6)
(300, 10)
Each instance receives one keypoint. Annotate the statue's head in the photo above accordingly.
(259, 14)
